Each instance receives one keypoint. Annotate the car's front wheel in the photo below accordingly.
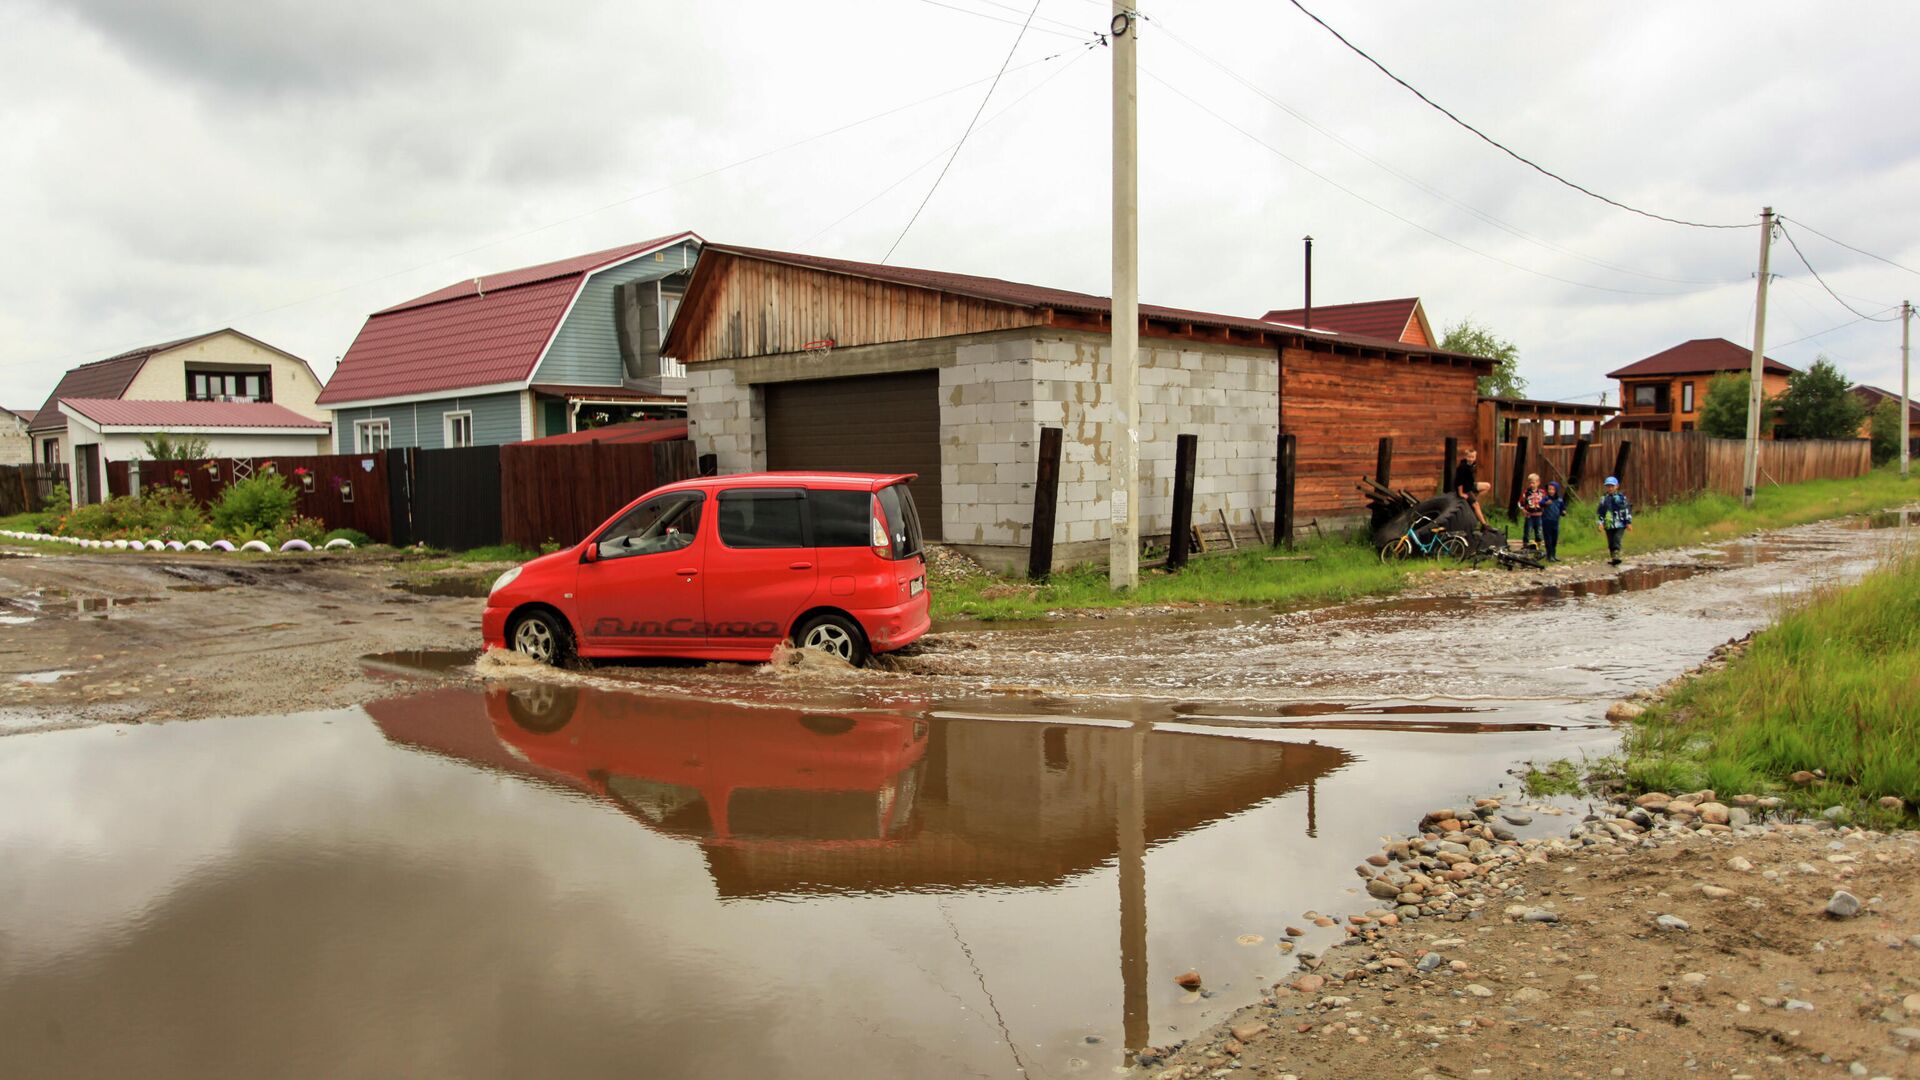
(543, 637)
(835, 635)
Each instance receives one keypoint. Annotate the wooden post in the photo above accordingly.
(1449, 462)
(1519, 477)
(1186, 453)
(1046, 495)
(1620, 461)
(1283, 493)
(1577, 472)
(1383, 475)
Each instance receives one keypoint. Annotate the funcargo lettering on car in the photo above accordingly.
(728, 568)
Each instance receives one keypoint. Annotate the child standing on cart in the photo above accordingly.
(1616, 518)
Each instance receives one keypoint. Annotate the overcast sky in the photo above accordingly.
(286, 168)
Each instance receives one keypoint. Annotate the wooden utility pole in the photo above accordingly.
(1751, 477)
(1906, 425)
(1123, 554)
(1306, 319)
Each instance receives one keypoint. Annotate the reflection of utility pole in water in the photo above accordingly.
(1132, 828)
(1313, 813)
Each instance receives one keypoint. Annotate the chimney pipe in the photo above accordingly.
(1308, 320)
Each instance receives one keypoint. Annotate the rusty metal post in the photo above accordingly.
(1186, 454)
(1046, 497)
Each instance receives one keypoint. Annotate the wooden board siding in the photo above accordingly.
(422, 424)
(1340, 407)
(559, 494)
(754, 308)
(586, 349)
(1669, 465)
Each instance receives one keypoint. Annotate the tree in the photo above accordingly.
(1887, 431)
(1471, 338)
(1819, 404)
(163, 447)
(1723, 413)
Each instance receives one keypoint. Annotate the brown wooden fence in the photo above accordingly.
(557, 493)
(25, 488)
(1663, 466)
(347, 491)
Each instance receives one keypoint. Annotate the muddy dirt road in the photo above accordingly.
(988, 859)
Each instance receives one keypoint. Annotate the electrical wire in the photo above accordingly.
(1828, 330)
(1071, 30)
(1411, 180)
(1502, 147)
(1850, 247)
(1402, 218)
(1017, 38)
(1076, 31)
(1788, 234)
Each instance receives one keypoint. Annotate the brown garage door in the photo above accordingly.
(872, 423)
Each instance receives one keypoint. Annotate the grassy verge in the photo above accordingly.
(1340, 570)
(1834, 686)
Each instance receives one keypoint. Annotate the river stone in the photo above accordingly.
(1654, 800)
(1714, 813)
(1514, 817)
(1739, 817)
(1843, 905)
(1539, 915)
(1740, 863)
(1834, 813)
(1672, 922)
(1476, 990)
(1382, 888)
(1911, 1003)
(1433, 961)
(1309, 983)
(1528, 995)
(1622, 711)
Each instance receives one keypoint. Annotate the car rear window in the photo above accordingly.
(841, 518)
(903, 520)
(763, 518)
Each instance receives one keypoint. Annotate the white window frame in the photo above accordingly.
(363, 435)
(447, 423)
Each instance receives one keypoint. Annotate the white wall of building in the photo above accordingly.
(164, 375)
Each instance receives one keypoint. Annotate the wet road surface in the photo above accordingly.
(792, 872)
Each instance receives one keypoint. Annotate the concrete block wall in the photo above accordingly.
(725, 419)
(988, 440)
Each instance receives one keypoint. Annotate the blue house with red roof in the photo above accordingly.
(523, 354)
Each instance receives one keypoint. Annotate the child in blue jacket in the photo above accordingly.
(1553, 503)
(1616, 518)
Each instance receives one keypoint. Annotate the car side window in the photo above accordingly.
(668, 523)
(763, 518)
(841, 518)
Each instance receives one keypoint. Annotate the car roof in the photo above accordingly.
(798, 478)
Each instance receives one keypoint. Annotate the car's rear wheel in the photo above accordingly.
(543, 637)
(542, 708)
(835, 635)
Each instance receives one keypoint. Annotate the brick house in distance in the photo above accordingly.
(1393, 320)
(542, 350)
(801, 362)
(1872, 397)
(1664, 392)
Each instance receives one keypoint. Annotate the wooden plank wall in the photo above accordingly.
(1340, 407)
(348, 491)
(557, 494)
(1669, 465)
(746, 307)
(25, 488)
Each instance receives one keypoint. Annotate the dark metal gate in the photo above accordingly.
(445, 498)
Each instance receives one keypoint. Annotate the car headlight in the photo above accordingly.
(504, 580)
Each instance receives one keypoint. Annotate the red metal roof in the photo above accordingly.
(1872, 396)
(159, 415)
(107, 378)
(635, 431)
(466, 335)
(1038, 296)
(1373, 318)
(1700, 356)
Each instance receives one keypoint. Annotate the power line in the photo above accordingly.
(963, 135)
(1850, 247)
(1403, 219)
(1830, 329)
(1784, 231)
(1415, 181)
(1502, 147)
(1076, 34)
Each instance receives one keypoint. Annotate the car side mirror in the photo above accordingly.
(590, 553)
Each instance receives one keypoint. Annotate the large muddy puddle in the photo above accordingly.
(991, 858)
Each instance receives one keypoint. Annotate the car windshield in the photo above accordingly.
(667, 523)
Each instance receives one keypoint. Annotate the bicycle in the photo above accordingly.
(1438, 542)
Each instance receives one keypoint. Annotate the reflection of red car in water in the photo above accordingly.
(720, 773)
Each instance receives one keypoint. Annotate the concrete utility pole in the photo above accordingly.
(1123, 557)
(1906, 425)
(1752, 475)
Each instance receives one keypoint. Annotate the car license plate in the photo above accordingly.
(916, 586)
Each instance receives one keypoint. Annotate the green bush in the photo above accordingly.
(60, 498)
(159, 515)
(260, 504)
(354, 536)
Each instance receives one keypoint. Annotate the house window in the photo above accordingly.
(1646, 396)
(1686, 425)
(1686, 397)
(229, 385)
(459, 429)
(371, 435)
(50, 452)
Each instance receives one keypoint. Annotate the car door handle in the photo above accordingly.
(800, 566)
(686, 571)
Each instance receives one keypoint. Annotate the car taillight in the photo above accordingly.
(882, 538)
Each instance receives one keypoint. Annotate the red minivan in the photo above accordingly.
(728, 568)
